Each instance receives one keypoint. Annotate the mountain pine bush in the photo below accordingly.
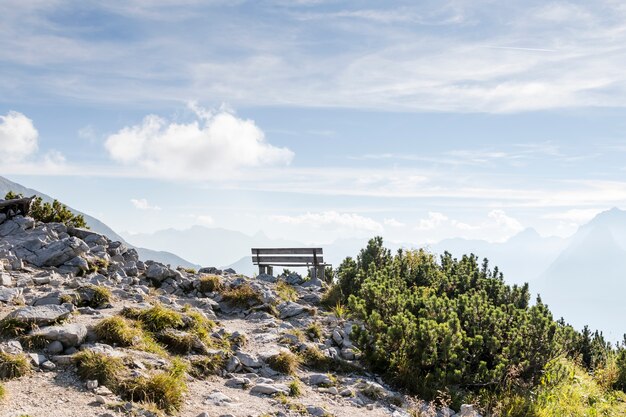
(447, 324)
(48, 213)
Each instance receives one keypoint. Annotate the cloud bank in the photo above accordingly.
(214, 144)
(18, 138)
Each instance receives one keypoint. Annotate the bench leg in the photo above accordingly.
(321, 273)
(261, 269)
(270, 270)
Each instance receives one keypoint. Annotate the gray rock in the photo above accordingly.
(316, 411)
(12, 347)
(233, 364)
(158, 272)
(289, 309)
(294, 279)
(266, 278)
(269, 389)
(68, 334)
(40, 315)
(467, 410)
(219, 398)
(320, 380)
(60, 251)
(55, 347)
(8, 295)
(6, 280)
(238, 382)
(249, 360)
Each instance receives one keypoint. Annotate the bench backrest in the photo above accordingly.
(288, 256)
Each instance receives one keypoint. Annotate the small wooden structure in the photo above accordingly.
(16, 206)
(312, 258)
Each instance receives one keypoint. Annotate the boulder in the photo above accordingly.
(320, 380)
(248, 360)
(290, 309)
(58, 252)
(9, 294)
(40, 315)
(68, 334)
(158, 272)
(267, 278)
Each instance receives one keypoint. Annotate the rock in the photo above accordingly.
(12, 347)
(445, 412)
(313, 283)
(48, 366)
(266, 278)
(8, 295)
(238, 382)
(100, 399)
(249, 360)
(316, 411)
(92, 384)
(210, 270)
(320, 380)
(230, 271)
(68, 334)
(6, 280)
(289, 309)
(60, 251)
(219, 398)
(233, 364)
(40, 315)
(55, 347)
(337, 337)
(269, 389)
(158, 272)
(346, 392)
(294, 279)
(467, 410)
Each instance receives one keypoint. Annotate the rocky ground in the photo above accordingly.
(58, 284)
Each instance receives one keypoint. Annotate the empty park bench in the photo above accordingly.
(311, 258)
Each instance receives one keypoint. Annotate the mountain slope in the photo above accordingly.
(96, 225)
(587, 281)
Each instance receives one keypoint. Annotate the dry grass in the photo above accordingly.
(211, 283)
(13, 366)
(243, 296)
(207, 365)
(285, 362)
(108, 370)
(286, 292)
(166, 390)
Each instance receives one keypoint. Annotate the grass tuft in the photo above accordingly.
(314, 331)
(13, 366)
(108, 370)
(285, 362)
(243, 296)
(166, 390)
(205, 366)
(211, 283)
(159, 318)
(295, 388)
(286, 292)
(11, 327)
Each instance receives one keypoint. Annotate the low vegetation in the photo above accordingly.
(207, 365)
(48, 213)
(13, 366)
(108, 370)
(286, 292)
(453, 326)
(211, 283)
(243, 296)
(285, 362)
(164, 389)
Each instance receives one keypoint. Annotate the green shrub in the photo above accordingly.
(48, 213)
(211, 283)
(13, 366)
(285, 362)
(243, 296)
(332, 297)
(108, 370)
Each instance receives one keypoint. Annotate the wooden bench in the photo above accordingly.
(312, 258)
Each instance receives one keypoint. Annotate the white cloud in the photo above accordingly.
(215, 144)
(434, 220)
(142, 204)
(18, 138)
(505, 222)
(393, 223)
(325, 219)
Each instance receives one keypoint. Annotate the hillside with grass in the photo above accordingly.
(89, 328)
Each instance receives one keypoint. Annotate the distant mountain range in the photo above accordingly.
(96, 225)
(581, 278)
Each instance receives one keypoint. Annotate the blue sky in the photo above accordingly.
(316, 120)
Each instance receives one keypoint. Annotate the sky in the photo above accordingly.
(317, 120)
